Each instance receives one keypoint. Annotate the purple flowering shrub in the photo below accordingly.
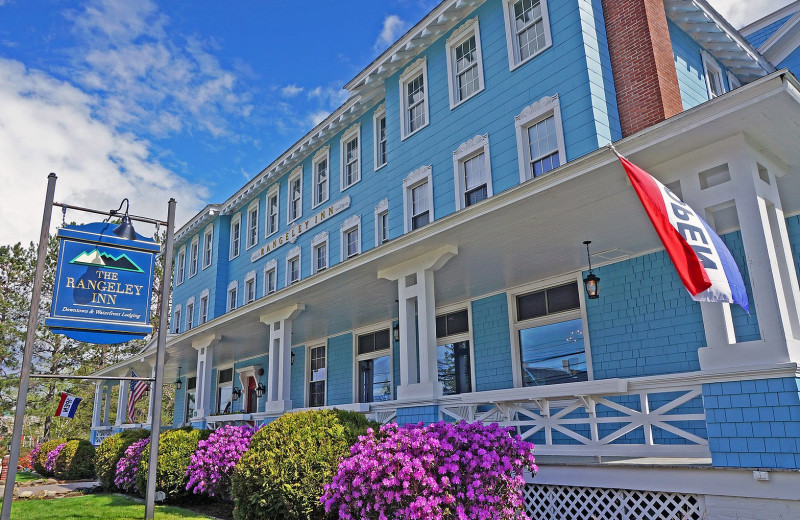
(211, 466)
(42, 451)
(50, 463)
(440, 471)
(34, 453)
(128, 465)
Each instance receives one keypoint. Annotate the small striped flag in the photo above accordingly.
(138, 389)
(67, 406)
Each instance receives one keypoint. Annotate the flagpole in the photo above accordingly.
(27, 356)
(610, 146)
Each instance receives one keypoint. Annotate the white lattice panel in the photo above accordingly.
(581, 503)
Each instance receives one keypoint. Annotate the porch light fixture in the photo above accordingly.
(125, 228)
(260, 390)
(591, 283)
(178, 382)
(236, 393)
(396, 332)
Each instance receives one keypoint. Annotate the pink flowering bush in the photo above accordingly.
(33, 454)
(128, 466)
(440, 471)
(211, 466)
(50, 463)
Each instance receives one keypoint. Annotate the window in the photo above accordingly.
(203, 309)
(319, 247)
(473, 176)
(208, 246)
(295, 196)
(270, 277)
(540, 141)
(527, 30)
(464, 63)
(250, 287)
(178, 319)
(453, 352)
(733, 81)
(550, 333)
(374, 365)
(414, 98)
(351, 237)
(181, 266)
(293, 266)
(351, 157)
(190, 314)
(382, 222)
(191, 398)
(233, 295)
(236, 236)
(252, 225)
(225, 390)
(193, 254)
(272, 211)
(418, 200)
(321, 176)
(713, 73)
(379, 123)
(316, 376)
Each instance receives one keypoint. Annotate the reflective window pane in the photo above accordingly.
(553, 353)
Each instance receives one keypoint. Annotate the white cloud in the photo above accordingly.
(47, 125)
(317, 117)
(290, 91)
(393, 27)
(740, 13)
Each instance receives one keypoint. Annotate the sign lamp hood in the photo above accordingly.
(125, 228)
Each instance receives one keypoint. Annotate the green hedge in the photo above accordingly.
(110, 451)
(41, 458)
(175, 447)
(290, 460)
(75, 461)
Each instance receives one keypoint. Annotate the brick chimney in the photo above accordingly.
(642, 63)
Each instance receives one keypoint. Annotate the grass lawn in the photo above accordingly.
(26, 476)
(105, 507)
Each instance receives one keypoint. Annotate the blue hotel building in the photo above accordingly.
(418, 256)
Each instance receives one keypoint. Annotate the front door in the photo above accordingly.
(252, 399)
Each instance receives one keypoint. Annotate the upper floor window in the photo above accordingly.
(550, 334)
(180, 269)
(414, 97)
(250, 287)
(418, 200)
(295, 196)
(472, 170)
(351, 237)
(193, 256)
(208, 246)
(321, 176)
(527, 30)
(316, 376)
(233, 295)
(464, 63)
(319, 247)
(203, 309)
(382, 222)
(351, 157)
(177, 316)
(252, 225)
(270, 277)
(293, 266)
(190, 315)
(374, 364)
(713, 74)
(379, 123)
(453, 352)
(272, 210)
(236, 236)
(540, 139)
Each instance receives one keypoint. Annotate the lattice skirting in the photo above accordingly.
(580, 503)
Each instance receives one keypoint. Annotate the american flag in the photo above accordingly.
(138, 389)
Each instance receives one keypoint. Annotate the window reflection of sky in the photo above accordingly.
(381, 379)
(553, 353)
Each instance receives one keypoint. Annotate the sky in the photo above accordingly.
(155, 99)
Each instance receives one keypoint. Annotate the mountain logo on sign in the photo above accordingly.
(97, 259)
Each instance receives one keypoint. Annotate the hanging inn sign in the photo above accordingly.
(103, 285)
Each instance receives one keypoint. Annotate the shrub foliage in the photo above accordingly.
(175, 448)
(75, 460)
(213, 463)
(290, 460)
(128, 465)
(41, 456)
(110, 451)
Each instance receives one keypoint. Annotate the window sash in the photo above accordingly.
(270, 281)
(232, 297)
(454, 367)
(193, 259)
(415, 99)
(294, 270)
(465, 57)
(207, 249)
(181, 267)
(321, 188)
(375, 379)
(529, 27)
(296, 199)
(272, 220)
(236, 240)
(420, 211)
(381, 140)
(543, 146)
(351, 161)
(351, 241)
(321, 256)
(189, 317)
(553, 352)
(177, 321)
(203, 309)
(252, 227)
(383, 227)
(250, 290)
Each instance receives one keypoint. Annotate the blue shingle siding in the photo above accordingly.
(793, 230)
(756, 38)
(792, 62)
(492, 343)
(754, 424)
(213, 399)
(745, 325)
(340, 369)
(298, 382)
(179, 408)
(395, 361)
(416, 414)
(644, 323)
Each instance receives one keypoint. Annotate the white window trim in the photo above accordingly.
(271, 265)
(223, 385)
(711, 65)
(372, 355)
(318, 240)
(382, 207)
(253, 206)
(274, 191)
(414, 179)
(234, 285)
(733, 81)
(352, 132)
(204, 294)
(515, 326)
(180, 268)
(295, 252)
(194, 265)
(296, 174)
(380, 112)
(307, 389)
(530, 115)
(208, 237)
(411, 72)
(464, 336)
(177, 316)
(460, 35)
(352, 223)
(475, 146)
(189, 316)
(248, 277)
(511, 40)
(236, 219)
(323, 153)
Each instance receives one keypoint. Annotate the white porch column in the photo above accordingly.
(106, 418)
(97, 408)
(417, 321)
(205, 360)
(122, 402)
(280, 357)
